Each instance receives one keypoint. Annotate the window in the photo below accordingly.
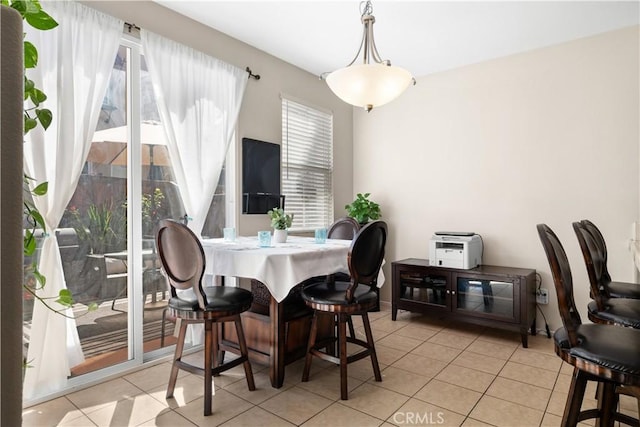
(307, 165)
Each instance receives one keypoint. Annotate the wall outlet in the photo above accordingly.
(542, 296)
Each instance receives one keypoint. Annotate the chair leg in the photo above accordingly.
(177, 356)
(372, 347)
(342, 349)
(221, 353)
(215, 361)
(208, 377)
(310, 345)
(245, 354)
(574, 399)
(352, 332)
(607, 404)
(162, 328)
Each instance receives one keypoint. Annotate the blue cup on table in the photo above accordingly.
(321, 235)
(229, 234)
(264, 239)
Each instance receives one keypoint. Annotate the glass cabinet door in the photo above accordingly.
(424, 288)
(487, 297)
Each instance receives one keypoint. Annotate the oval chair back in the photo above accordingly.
(182, 258)
(595, 263)
(601, 245)
(561, 273)
(344, 228)
(366, 255)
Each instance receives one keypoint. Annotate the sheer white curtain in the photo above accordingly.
(198, 98)
(75, 61)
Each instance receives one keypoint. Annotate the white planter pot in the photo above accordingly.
(279, 236)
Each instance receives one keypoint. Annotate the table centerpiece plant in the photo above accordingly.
(280, 221)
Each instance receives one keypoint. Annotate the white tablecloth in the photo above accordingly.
(281, 266)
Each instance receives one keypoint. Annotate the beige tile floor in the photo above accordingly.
(434, 373)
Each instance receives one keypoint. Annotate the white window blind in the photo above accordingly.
(307, 165)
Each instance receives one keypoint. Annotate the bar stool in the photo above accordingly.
(183, 261)
(598, 352)
(604, 308)
(344, 299)
(612, 289)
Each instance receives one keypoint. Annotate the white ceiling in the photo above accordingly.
(421, 36)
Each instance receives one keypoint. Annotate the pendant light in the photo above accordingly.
(368, 84)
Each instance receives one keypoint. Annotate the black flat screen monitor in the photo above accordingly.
(260, 176)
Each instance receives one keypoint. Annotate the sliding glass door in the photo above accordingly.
(106, 233)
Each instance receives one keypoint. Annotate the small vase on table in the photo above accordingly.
(279, 236)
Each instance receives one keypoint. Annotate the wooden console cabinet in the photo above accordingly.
(501, 297)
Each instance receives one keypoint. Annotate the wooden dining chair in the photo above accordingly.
(610, 288)
(183, 261)
(345, 299)
(598, 352)
(604, 308)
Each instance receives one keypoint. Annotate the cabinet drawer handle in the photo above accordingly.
(453, 292)
(448, 291)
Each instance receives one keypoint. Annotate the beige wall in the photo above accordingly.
(260, 115)
(547, 136)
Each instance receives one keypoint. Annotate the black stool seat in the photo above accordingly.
(619, 311)
(624, 290)
(333, 294)
(230, 300)
(603, 346)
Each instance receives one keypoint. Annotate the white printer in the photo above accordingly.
(455, 249)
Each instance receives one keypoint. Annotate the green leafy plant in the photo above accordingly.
(279, 219)
(32, 13)
(362, 209)
(97, 228)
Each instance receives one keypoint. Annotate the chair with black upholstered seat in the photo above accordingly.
(599, 352)
(345, 299)
(610, 288)
(183, 261)
(604, 308)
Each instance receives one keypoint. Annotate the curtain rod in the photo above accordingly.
(132, 27)
(251, 75)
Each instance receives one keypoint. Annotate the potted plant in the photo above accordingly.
(362, 209)
(280, 222)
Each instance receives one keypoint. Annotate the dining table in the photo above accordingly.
(280, 267)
